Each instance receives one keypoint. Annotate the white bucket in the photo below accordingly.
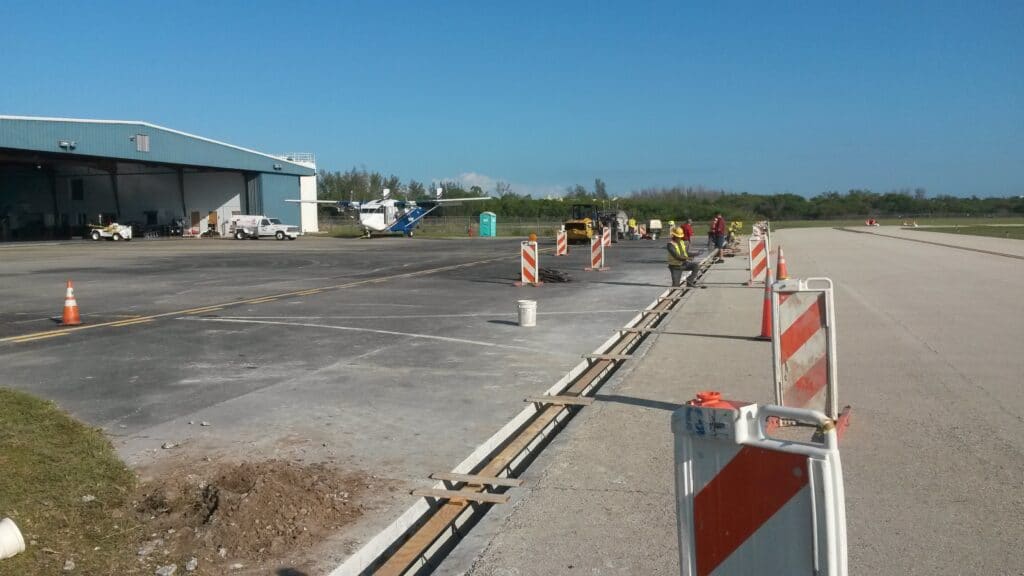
(11, 542)
(527, 313)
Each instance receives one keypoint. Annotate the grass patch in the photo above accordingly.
(1015, 232)
(48, 463)
(965, 221)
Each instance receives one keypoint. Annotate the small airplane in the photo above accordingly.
(389, 216)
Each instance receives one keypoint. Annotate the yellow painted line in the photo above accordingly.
(45, 332)
(142, 319)
(202, 310)
(34, 337)
(261, 300)
(133, 322)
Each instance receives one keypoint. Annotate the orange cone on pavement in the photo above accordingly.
(71, 317)
(782, 273)
(766, 309)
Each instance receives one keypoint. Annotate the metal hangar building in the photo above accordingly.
(58, 175)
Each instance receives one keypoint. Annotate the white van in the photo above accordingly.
(257, 226)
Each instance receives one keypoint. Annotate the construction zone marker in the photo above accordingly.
(529, 264)
(793, 523)
(561, 243)
(804, 346)
(606, 237)
(781, 272)
(596, 255)
(70, 317)
(758, 259)
(766, 309)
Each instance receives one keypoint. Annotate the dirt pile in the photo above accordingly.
(260, 515)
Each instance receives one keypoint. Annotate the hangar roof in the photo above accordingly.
(135, 141)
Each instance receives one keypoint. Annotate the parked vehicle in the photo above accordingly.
(258, 226)
(580, 226)
(112, 231)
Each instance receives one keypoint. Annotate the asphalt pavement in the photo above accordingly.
(394, 357)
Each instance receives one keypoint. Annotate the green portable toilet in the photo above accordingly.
(488, 224)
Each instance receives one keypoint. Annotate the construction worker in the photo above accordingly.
(734, 231)
(688, 231)
(632, 228)
(718, 233)
(679, 260)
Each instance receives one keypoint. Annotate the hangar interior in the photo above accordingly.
(58, 176)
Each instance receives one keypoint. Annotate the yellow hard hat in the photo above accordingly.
(678, 233)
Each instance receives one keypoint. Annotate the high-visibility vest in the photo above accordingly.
(677, 253)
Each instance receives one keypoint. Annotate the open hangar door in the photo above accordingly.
(57, 198)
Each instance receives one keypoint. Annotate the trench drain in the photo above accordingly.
(416, 542)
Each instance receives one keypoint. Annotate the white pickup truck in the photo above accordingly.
(252, 226)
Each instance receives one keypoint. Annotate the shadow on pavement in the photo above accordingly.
(641, 402)
(665, 285)
(505, 322)
(723, 336)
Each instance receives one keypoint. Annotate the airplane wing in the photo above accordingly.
(454, 201)
(294, 201)
(339, 204)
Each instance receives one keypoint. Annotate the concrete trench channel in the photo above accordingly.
(421, 538)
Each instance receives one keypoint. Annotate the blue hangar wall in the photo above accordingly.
(58, 175)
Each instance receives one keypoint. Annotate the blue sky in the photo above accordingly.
(761, 97)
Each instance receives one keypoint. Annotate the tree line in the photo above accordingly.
(677, 202)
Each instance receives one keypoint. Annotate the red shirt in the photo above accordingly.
(687, 232)
(718, 226)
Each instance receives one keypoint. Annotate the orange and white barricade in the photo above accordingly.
(751, 504)
(606, 236)
(596, 255)
(804, 346)
(529, 264)
(758, 259)
(561, 243)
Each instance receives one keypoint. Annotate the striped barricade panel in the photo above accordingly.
(750, 504)
(804, 345)
(606, 236)
(561, 243)
(758, 258)
(528, 262)
(596, 254)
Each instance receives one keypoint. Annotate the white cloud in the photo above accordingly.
(469, 179)
(489, 184)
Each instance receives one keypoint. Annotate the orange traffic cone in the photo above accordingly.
(782, 273)
(71, 317)
(766, 309)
